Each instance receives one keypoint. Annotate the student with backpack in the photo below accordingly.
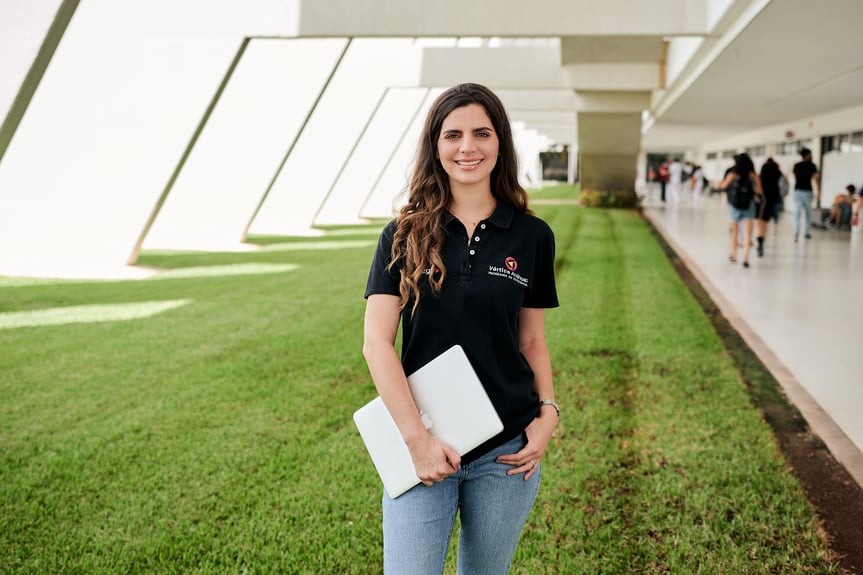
(742, 187)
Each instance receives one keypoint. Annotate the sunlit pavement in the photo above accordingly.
(799, 307)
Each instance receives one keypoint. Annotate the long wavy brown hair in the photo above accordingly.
(419, 231)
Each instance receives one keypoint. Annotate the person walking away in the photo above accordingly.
(806, 183)
(742, 185)
(662, 175)
(696, 184)
(464, 262)
(675, 178)
(771, 203)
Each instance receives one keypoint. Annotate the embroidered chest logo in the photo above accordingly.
(508, 271)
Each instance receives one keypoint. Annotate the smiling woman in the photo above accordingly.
(446, 269)
(467, 150)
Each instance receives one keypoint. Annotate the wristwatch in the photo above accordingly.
(544, 402)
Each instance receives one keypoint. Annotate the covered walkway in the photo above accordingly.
(798, 307)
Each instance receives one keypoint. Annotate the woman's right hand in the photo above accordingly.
(434, 460)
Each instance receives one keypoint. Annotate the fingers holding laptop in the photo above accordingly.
(434, 460)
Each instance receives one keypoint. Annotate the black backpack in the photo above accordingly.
(741, 193)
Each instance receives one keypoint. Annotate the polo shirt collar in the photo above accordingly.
(500, 217)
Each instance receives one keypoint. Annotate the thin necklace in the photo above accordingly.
(489, 213)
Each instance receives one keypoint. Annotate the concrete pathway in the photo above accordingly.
(800, 307)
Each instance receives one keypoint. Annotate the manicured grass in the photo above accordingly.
(555, 191)
(216, 437)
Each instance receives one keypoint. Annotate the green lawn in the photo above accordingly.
(216, 436)
(556, 191)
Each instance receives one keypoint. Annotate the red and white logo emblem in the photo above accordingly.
(511, 264)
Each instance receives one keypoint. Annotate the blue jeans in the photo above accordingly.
(493, 508)
(802, 203)
(777, 209)
(738, 215)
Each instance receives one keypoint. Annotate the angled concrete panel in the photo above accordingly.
(243, 143)
(387, 195)
(100, 138)
(122, 95)
(369, 158)
(304, 181)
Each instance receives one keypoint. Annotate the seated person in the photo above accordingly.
(852, 194)
(840, 211)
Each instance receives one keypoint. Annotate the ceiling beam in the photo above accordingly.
(514, 18)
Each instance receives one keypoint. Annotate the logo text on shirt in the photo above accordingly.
(508, 271)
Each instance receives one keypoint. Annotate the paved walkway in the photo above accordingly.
(799, 307)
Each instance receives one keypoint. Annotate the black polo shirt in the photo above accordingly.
(507, 265)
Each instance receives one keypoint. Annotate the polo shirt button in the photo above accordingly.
(472, 252)
(482, 226)
(476, 239)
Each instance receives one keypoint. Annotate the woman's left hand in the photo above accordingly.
(538, 433)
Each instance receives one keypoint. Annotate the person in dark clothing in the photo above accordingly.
(663, 176)
(771, 201)
(806, 183)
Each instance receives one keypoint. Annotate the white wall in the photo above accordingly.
(113, 114)
(840, 169)
(811, 129)
(99, 142)
(846, 120)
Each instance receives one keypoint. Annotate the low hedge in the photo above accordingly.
(609, 199)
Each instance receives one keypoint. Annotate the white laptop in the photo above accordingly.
(454, 407)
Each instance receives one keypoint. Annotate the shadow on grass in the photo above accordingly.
(830, 489)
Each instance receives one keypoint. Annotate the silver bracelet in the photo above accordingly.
(544, 402)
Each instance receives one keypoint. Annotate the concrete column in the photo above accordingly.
(609, 139)
(608, 150)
